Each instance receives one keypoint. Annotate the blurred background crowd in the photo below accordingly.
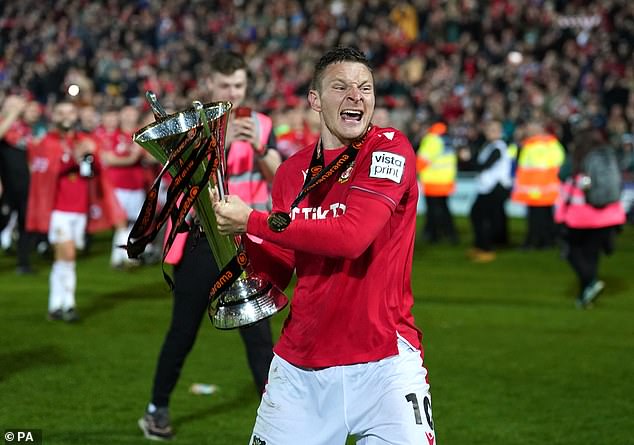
(462, 62)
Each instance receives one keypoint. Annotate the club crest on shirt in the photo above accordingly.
(346, 174)
(386, 165)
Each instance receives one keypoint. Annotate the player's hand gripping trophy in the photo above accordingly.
(190, 146)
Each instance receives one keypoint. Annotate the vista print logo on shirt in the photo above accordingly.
(387, 165)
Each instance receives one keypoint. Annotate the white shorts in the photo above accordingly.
(383, 402)
(131, 201)
(67, 226)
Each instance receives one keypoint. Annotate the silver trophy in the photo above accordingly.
(244, 297)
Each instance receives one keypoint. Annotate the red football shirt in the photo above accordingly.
(128, 177)
(72, 189)
(350, 301)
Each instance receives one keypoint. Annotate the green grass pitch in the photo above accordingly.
(511, 361)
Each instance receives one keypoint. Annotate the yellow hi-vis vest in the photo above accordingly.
(436, 165)
(536, 180)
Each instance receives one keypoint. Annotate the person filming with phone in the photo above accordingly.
(252, 159)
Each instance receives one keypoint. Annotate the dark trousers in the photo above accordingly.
(488, 218)
(500, 220)
(584, 246)
(541, 229)
(438, 220)
(193, 278)
(14, 172)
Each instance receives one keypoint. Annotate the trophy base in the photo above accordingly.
(246, 302)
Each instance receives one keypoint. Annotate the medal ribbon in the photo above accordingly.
(228, 275)
(317, 174)
(148, 223)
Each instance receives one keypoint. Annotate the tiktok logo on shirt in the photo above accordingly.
(335, 210)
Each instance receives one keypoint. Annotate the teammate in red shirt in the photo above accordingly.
(122, 161)
(349, 354)
(295, 132)
(67, 197)
(19, 118)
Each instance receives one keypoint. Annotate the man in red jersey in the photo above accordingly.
(293, 131)
(122, 161)
(349, 354)
(63, 202)
(19, 119)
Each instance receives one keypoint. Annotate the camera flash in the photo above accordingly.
(515, 57)
(73, 90)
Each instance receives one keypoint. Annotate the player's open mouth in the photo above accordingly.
(351, 115)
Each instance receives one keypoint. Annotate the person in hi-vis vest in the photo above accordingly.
(437, 165)
(537, 183)
(252, 159)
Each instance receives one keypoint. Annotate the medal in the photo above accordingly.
(278, 221)
(317, 174)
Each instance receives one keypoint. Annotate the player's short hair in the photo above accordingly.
(228, 62)
(336, 55)
(64, 101)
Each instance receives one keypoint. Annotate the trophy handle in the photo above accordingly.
(155, 106)
(220, 182)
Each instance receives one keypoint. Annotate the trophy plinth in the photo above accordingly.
(190, 144)
(248, 299)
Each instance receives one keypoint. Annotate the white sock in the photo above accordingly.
(120, 238)
(6, 236)
(56, 288)
(69, 283)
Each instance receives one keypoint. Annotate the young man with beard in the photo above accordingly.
(67, 197)
(252, 160)
(349, 361)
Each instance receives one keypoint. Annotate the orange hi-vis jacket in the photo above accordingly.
(536, 180)
(437, 165)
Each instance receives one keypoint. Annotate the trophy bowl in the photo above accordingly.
(191, 146)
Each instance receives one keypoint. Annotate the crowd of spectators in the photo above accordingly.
(461, 61)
